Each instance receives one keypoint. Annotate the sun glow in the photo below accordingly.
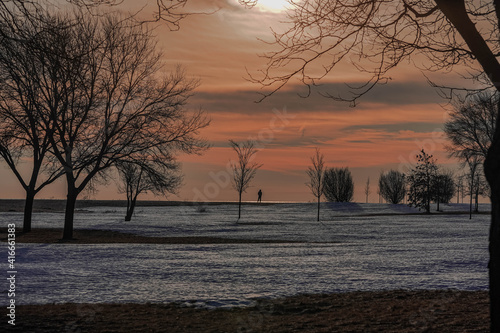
(273, 5)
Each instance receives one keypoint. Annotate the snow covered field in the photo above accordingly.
(354, 247)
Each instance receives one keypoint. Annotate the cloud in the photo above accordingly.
(392, 93)
(416, 127)
(285, 140)
(244, 101)
(360, 141)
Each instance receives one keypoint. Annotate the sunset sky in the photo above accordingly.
(385, 130)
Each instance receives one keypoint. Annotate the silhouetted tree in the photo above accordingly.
(367, 189)
(481, 188)
(443, 188)
(470, 129)
(460, 187)
(392, 186)
(421, 181)
(21, 134)
(97, 113)
(475, 181)
(316, 174)
(142, 176)
(471, 126)
(338, 185)
(244, 170)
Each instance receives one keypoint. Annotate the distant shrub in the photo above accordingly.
(201, 209)
(392, 186)
(338, 185)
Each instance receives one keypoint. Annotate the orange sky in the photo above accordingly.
(386, 129)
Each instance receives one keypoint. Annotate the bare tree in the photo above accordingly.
(459, 181)
(367, 189)
(421, 180)
(105, 99)
(471, 125)
(443, 188)
(245, 169)
(392, 186)
(470, 129)
(481, 188)
(21, 134)
(138, 177)
(473, 163)
(316, 174)
(338, 185)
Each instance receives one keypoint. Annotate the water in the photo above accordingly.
(347, 251)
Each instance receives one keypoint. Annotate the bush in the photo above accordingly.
(392, 186)
(338, 185)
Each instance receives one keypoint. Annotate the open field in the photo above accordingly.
(192, 268)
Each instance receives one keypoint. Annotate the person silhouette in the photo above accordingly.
(259, 199)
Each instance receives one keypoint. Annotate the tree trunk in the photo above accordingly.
(319, 202)
(494, 248)
(492, 173)
(239, 206)
(28, 210)
(70, 211)
(494, 265)
(428, 202)
(130, 210)
(470, 202)
(476, 202)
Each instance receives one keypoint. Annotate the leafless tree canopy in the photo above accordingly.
(316, 174)
(159, 177)
(21, 134)
(375, 36)
(338, 185)
(245, 168)
(102, 96)
(392, 186)
(471, 126)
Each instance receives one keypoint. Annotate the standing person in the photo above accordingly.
(259, 199)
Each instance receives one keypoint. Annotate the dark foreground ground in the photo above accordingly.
(386, 311)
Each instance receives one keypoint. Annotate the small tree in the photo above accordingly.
(316, 174)
(392, 186)
(481, 188)
(476, 182)
(443, 188)
(421, 180)
(459, 181)
(244, 170)
(367, 189)
(140, 177)
(338, 185)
